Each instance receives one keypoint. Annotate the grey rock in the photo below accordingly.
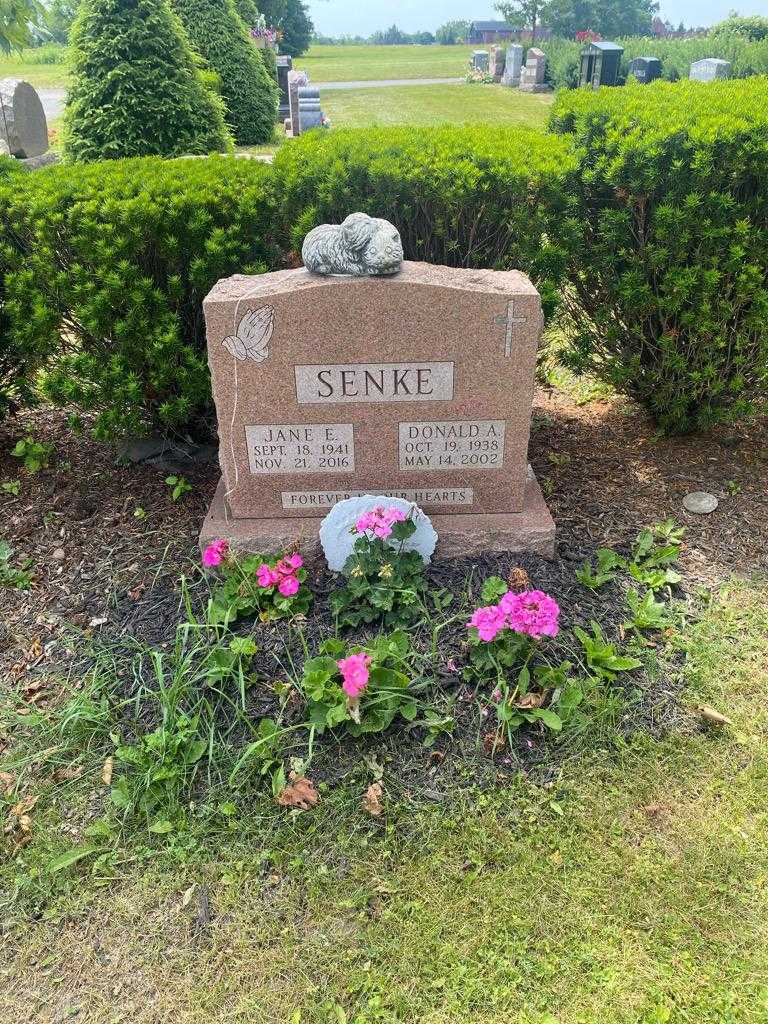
(142, 448)
(22, 119)
(35, 163)
(362, 246)
(700, 502)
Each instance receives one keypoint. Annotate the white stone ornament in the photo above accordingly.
(253, 334)
(338, 536)
(362, 246)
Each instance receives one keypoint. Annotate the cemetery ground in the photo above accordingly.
(436, 104)
(617, 874)
(324, 64)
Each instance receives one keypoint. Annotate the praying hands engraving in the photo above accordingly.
(253, 334)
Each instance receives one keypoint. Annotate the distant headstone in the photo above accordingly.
(710, 68)
(414, 385)
(296, 79)
(496, 62)
(310, 114)
(532, 75)
(513, 66)
(481, 60)
(284, 65)
(645, 69)
(22, 119)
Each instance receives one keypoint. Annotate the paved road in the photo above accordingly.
(53, 99)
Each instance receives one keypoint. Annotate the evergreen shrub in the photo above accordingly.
(137, 89)
(667, 233)
(460, 196)
(218, 34)
(19, 358)
(106, 266)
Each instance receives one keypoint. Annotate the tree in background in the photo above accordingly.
(137, 87)
(296, 28)
(523, 13)
(218, 34)
(59, 17)
(248, 11)
(453, 32)
(273, 11)
(16, 16)
(754, 27)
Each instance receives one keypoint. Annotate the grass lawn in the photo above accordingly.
(630, 890)
(40, 75)
(371, 63)
(435, 104)
(324, 64)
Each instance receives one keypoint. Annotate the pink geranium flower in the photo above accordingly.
(488, 622)
(354, 671)
(288, 586)
(379, 521)
(532, 612)
(215, 553)
(266, 576)
(295, 561)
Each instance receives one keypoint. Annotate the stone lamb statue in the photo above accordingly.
(361, 246)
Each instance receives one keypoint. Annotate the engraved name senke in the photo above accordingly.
(374, 382)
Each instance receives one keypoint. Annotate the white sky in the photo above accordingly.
(362, 17)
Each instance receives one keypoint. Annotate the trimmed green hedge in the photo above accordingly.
(461, 196)
(668, 241)
(106, 266)
(644, 212)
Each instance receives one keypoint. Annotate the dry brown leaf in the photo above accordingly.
(530, 700)
(7, 783)
(35, 650)
(519, 579)
(493, 742)
(33, 691)
(68, 773)
(372, 799)
(300, 793)
(137, 591)
(24, 806)
(106, 771)
(25, 823)
(713, 716)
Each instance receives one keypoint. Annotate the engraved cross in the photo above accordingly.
(510, 321)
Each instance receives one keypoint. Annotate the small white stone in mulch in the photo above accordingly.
(700, 502)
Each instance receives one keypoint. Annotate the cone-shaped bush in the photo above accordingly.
(138, 89)
(218, 34)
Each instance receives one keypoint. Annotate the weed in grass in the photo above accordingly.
(35, 455)
(10, 576)
(179, 486)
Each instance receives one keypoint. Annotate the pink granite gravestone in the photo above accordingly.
(417, 384)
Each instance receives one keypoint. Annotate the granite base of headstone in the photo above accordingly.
(284, 65)
(23, 126)
(416, 384)
(513, 66)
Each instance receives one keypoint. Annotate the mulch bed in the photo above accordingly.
(104, 570)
